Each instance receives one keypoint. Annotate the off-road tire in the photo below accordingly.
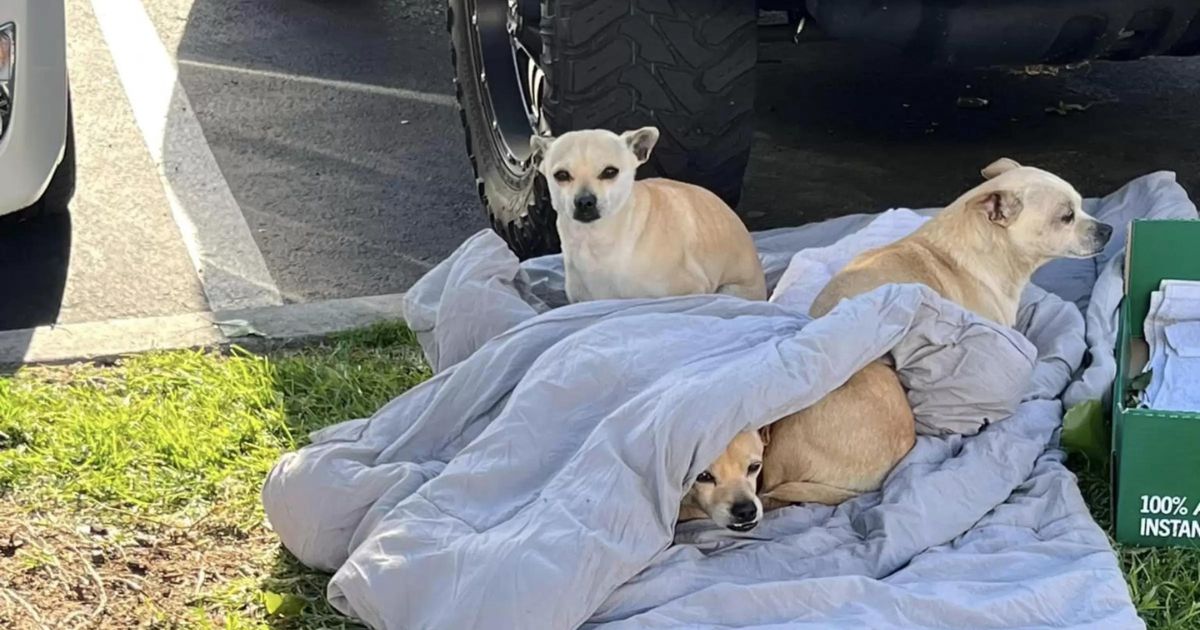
(517, 204)
(684, 66)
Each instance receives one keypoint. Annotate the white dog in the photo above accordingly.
(623, 238)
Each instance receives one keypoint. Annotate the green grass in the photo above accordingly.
(129, 493)
(172, 447)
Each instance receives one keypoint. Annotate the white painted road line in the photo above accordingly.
(367, 88)
(228, 261)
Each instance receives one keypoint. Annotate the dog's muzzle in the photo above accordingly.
(585, 208)
(745, 515)
(1101, 234)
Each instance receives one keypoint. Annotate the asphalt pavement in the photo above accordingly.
(332, 125)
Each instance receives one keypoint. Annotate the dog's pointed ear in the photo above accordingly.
(764, 433)
(999, 206)
(999, 167)
(641, 141)
(538, 145)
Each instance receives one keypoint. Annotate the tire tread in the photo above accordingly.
(685, 65)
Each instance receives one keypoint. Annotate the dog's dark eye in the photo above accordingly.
(705, 477)
(1068, 218)
(609, 173)
(754, 468)
(562, 176)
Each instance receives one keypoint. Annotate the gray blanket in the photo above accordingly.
(534, 481)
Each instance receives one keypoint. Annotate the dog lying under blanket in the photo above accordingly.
(979, 252)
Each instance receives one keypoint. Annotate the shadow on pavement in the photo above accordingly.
(350, 192)
(841, 128)
(34, 254)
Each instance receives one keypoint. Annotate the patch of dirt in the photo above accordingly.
(62, 571)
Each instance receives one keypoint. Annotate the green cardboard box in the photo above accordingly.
(1155, 454)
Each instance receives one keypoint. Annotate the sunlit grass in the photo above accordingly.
(174, 446)
(141, 481)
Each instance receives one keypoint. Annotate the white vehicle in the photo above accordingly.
(37, 153)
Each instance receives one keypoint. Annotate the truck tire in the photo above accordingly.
(684, 66)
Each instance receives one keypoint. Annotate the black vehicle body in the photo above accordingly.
(687, 67)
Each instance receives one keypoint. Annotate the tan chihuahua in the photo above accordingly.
(727, 491)
(979, 252)
(623, 238)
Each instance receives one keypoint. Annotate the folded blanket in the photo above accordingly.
(534, 481)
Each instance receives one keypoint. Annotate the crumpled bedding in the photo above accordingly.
(534, 481)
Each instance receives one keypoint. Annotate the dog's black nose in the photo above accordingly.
(1103, 232)
(585, 208)
(744, 511)
(585, 201)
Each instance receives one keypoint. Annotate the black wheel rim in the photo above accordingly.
(507, 45)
